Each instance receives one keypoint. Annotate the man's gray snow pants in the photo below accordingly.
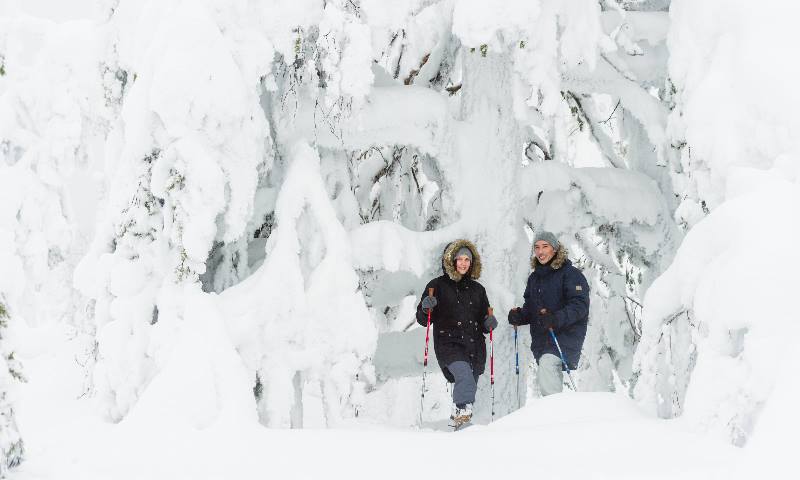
(549, 375)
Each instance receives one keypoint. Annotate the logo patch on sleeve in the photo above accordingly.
(578, 288)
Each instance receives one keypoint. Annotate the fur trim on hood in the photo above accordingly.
(557, 261)
(449, 261)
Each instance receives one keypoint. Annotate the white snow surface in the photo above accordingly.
(67, 441)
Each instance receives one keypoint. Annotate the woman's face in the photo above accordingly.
(462, 264)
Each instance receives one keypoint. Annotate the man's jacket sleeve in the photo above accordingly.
(576, 299)
(528, 305)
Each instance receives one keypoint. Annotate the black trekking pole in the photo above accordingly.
(563, 360)
(491, 361)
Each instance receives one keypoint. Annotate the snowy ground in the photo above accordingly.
(581, 436)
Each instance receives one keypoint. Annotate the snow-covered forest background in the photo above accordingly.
(217, 217)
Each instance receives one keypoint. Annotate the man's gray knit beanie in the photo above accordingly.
(464, 251)
(547, 237)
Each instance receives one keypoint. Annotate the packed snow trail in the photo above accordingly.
(566, 436)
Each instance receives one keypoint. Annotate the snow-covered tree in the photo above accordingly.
(712, 345)
(52, 110)
(182, 166)
(11, 445)
(420, 121)
(295, 168)
(414, 124)
(47, 137)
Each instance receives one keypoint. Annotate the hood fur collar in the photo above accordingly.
(556, 263)
(449, 262)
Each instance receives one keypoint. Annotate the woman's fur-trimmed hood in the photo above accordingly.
(449, 261)
(557, 261)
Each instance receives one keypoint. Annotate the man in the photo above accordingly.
(459, 320)
(556, 298)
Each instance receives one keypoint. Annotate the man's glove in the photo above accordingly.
(547, 320)
(429, 302)
(515, 317)
(489, 322)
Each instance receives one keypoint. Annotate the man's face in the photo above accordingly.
(462, 264)
(543, 251)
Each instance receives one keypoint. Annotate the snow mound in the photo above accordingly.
(732, 287)
(568, 408)
(553, 432)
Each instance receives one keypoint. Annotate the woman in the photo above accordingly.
(459, 319)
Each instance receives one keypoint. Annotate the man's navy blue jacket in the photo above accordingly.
(561, 288)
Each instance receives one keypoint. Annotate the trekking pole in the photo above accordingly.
(491, 362)
(516, 366)
(563, 359)
(425, 361)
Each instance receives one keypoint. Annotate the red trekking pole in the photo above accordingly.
(425, 361)
(491, 362)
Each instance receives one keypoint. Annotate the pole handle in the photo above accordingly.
(491, 311)
(430, 292)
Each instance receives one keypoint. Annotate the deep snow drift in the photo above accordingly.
(566, 436)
